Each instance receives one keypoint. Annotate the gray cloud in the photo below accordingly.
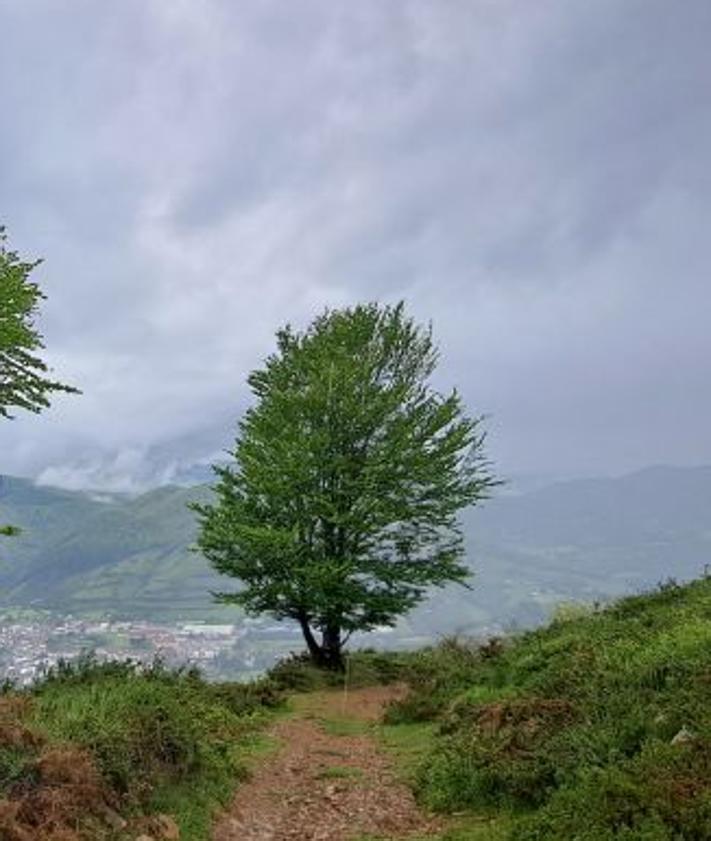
(533, 177)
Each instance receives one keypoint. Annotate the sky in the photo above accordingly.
(534, 178)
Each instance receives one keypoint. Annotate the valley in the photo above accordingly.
(116, 574)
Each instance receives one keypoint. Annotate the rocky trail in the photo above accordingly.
(328, 780)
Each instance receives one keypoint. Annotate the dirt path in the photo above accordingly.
(328, 781)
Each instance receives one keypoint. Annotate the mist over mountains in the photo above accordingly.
(129, 556)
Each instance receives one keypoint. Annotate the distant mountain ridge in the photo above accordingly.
(83, 552)
(591, 538)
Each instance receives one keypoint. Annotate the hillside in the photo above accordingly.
(101, 752)
(588, 539)
(595, 728)
(104, 554)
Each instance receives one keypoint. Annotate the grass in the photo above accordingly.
(410, 743)
(345, 727)
(94, 737)
(192, 801)
(470, 828)
(568, 732)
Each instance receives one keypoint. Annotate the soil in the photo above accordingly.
(329, 780)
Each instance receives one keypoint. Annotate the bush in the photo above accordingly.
(144, 725)
(496, 754)
(93, 737)
(439, 674)
(297, 673)
(42, 786)
(663, 794)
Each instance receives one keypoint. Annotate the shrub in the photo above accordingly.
(297, 672)
(438, 674)
(91, 738)
(143, 725)
(496, 754)
(664, 794)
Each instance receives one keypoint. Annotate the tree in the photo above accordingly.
(23, 375)
(340, 509)
(24, 383)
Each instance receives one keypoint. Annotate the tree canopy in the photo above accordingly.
(24, 380)
(339, 509)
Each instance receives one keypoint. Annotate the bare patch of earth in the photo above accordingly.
(329, 781)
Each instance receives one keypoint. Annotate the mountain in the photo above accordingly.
(89, 553)
(83, 552)
(589, 539)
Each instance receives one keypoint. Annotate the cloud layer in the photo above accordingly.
(533, 177)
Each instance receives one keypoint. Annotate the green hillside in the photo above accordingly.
(597, 727)
(85, 553)
(586, 539)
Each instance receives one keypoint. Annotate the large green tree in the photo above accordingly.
(340, 508)
(24, 380)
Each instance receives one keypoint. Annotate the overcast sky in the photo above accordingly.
(534, 177)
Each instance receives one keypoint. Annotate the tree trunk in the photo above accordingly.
(328, 654)
(331, 648)
(313, 646)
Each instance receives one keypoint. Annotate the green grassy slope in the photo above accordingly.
(595, 728)
(586, 539)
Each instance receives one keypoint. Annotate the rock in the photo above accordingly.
(165, 828)
(683, 737)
